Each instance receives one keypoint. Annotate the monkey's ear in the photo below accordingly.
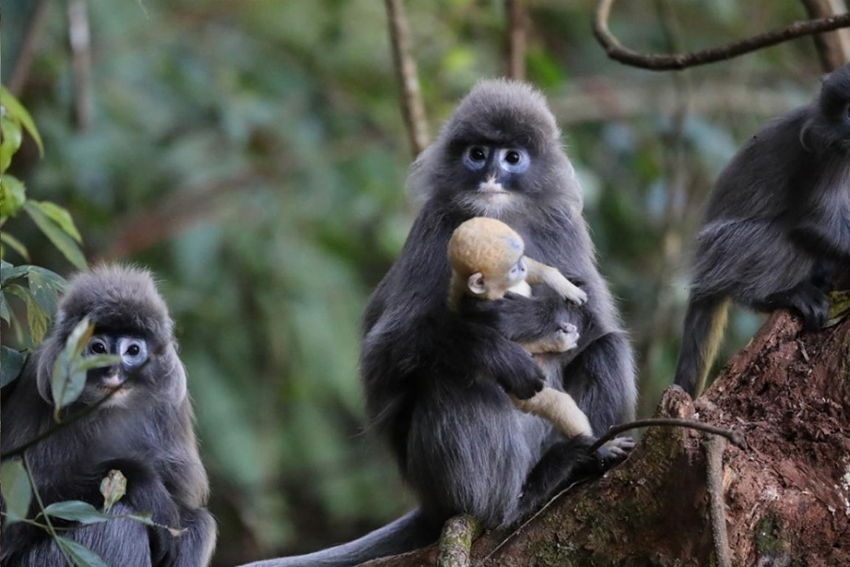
(476, 283)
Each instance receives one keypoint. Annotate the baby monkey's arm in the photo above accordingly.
(539, 273)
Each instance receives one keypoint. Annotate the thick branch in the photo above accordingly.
(656, 62)
(412, 107)
(832, 51)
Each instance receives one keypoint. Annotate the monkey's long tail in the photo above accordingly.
(704, 324)
(409, 532)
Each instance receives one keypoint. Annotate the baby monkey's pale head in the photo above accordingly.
(486, 255)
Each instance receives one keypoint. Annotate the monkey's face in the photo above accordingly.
(134, 353)
(493, 176)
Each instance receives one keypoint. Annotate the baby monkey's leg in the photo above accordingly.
(542, 274)
(559, 408)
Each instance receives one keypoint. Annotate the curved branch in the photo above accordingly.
(734, 437)
(676, 61)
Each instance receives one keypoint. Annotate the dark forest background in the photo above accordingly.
(253, 154)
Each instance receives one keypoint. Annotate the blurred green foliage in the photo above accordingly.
(253, 155)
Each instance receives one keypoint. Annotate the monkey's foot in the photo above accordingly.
(807, 301)
(576, 296)
(614, 452)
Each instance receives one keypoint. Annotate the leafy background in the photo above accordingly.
(253, 155)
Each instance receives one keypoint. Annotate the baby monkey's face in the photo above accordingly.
(516, 274)
(503, 280)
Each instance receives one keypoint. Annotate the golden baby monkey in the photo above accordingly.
(488, 260)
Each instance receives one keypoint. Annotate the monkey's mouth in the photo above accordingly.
(115, 387)
(491, 187)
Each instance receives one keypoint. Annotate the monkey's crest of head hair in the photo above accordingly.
(115, 297)
(484, 245)
(830, 127)
(503, 111)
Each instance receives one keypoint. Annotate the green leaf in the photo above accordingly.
(15, 245)
(82, 555)
(36, 318)
(87, 363)
(4, 309)
(44, 293)
(67, 381)
(61, 217)
(113, 487)
(52, 279)
(16, 490)
(12, 195)
(57, 236)
(11, 362)
(16, 111)
(76, 511)
(10, 131)
(10, 272)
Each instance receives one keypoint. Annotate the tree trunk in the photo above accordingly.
(786, 497)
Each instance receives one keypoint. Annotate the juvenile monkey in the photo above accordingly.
(777, 226)
(488, 260)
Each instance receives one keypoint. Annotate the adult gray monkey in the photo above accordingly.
(777, 226)
(436, 381)
(145, 430)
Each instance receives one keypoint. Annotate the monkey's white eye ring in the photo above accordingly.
(514, 160)
(133, 351)
(475, 157)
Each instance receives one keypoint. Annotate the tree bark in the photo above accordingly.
(785, 498)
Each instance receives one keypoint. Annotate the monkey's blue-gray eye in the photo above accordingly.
(133, 351)
(475, 157)
(514, 160)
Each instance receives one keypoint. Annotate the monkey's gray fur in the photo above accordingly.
(145, 431)
(436, 381)
(777, 226)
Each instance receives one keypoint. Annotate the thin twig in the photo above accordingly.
(656, 62)
(735, 437)
(21, 72)
(40, 502)
(531, 518)
(516, 39)
(73, 418)
(412, 107)
(714, 447)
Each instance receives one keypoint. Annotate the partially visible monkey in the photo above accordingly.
(488, 260)
(145, 430)
(776, 228)
(435, 382)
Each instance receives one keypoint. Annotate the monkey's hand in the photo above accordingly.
(517, 373)
(541, 273)
(614, 452)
